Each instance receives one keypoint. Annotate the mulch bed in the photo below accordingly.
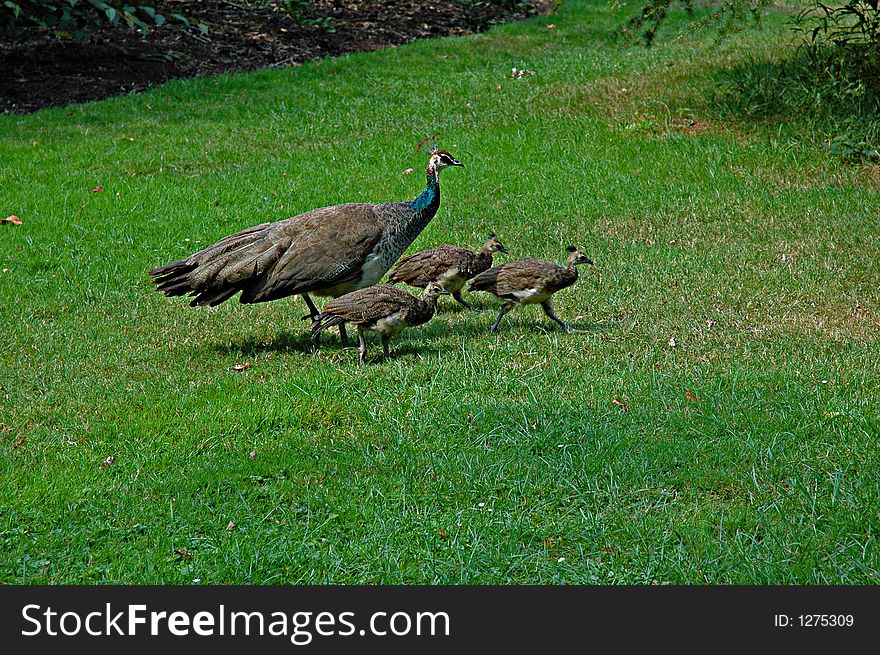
(40, 70)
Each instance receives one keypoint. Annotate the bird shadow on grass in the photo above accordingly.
(284, 341)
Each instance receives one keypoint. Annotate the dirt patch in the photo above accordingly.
(41, 70)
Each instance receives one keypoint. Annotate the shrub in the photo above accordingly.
(83, 18)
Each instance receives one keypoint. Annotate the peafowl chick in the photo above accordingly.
(381, 308)
(530, 281)
(450, 266)
(326, 252)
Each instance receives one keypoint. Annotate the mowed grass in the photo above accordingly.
(744, 453)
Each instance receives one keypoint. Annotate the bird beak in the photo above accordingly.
(589, 261)
(455, 162)
(444, 292)
(502, 249)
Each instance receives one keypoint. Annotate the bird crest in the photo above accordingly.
(428, 145)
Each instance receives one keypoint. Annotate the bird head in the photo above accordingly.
(441, 159)
(435, 289)
(577, 256)
(494, 245)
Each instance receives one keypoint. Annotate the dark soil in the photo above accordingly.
(38, 70)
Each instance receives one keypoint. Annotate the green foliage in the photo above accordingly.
(727, 16)
(853, 24)
(83, 18)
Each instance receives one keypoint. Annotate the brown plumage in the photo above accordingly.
(328, 251)
(381, 308)
(528, 281)
(448, 265)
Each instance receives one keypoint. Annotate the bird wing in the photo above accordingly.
(524, 274)
(513, 276)
(315, 250)
(369, 304)
(423, 267)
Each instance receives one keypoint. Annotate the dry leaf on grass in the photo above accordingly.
(620, 403)
(12, 220)
(107, 463)
(241, 367)
(231, 526)
(183, 553)
(691, 397)
(98, 189)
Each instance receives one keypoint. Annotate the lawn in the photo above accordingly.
(715, 422)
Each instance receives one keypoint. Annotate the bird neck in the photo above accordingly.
(429, 200)
(485, 257)
(430, 305)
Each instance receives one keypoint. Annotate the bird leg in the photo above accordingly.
(385, 340)
(548, 309)
(504, 309)
(313, 314)
(313, 311)
(457, 296)
(362, 350)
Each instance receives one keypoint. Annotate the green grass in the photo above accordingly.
(748, 452)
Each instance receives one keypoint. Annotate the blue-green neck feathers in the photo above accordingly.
(429, 199)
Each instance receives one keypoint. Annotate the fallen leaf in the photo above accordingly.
(183, 553)
(107, 463)
(710, 322)
(12, 220)
(98, 189)
(442, 534)
(551, 26)
(407, 171)
(672, 341)
(620, 403)
(691, 397)
(241, 367)
(231, 526)
(253, 454)
(19, 443)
